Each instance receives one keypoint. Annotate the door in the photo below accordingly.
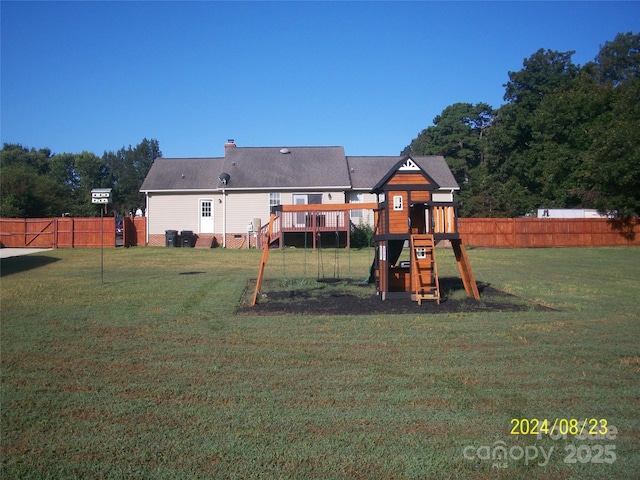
(300, 199)
(206, 216)
(418, 213)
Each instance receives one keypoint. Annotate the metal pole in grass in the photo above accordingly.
(102, 244)
(336, 260)
(319, 250)
(284, 271)
(101, 196)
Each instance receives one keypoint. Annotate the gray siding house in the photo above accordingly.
(221, 199)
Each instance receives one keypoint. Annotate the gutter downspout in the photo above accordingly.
(224, 218)
(146, 218)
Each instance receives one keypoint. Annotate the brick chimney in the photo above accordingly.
(230, 144)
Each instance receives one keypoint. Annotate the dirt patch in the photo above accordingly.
(309, 297)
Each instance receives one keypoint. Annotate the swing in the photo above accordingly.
(284, 264)
(321, 274)
(336, 261)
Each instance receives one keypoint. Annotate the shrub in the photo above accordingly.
(361, 235)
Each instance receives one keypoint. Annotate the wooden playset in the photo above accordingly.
(406, 215)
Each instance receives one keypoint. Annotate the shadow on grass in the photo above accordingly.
(450, 285)
(11, 265)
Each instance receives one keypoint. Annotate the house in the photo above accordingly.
(223, 199)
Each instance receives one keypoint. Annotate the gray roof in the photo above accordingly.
(437, 168)
(255, 168)
(366, 172)
(183, 174)
(300, 167)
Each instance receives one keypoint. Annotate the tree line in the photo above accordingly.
(35, 183)
(568, 136)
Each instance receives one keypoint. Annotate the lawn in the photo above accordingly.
(153, 373)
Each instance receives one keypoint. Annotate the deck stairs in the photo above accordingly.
(424, 271)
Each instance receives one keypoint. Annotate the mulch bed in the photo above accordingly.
(329, 298)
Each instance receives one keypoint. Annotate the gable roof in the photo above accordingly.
(266, 168)
(179, 174)
(366, 172)
(437, 168)
(286, 168)
(407, 164)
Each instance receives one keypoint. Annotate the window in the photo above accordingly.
(397, 202)
(274, 199)
(205, 205)
(314, 199)
(355, 197)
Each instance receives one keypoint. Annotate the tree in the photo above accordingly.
(567, 136)
(15, 154)
(613, 162)
(38, 184)
(78, 174)
(618, 61)
(25, 189)
(562, 138)
(514, 144)
(127, 169)
(459, 135)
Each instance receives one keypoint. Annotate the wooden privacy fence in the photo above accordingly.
(135, 231)
(548, 232)
(70, 232)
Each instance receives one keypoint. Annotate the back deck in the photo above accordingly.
(312, 225)
(306, 228)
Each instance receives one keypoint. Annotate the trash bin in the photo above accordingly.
(187, 238)
(171, 238)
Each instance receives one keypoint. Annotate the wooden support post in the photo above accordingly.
(469, 281)
(346, 220)
(263, 262)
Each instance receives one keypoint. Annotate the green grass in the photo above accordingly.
(152, 375)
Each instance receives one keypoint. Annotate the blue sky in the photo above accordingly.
(96, 76)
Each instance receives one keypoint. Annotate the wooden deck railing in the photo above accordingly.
(314, 219)
(314, 223)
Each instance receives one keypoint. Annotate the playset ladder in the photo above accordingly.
(424, 271)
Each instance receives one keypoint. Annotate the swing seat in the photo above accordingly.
(329, 280)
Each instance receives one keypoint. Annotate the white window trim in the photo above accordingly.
(356, 197)
(275, 199)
